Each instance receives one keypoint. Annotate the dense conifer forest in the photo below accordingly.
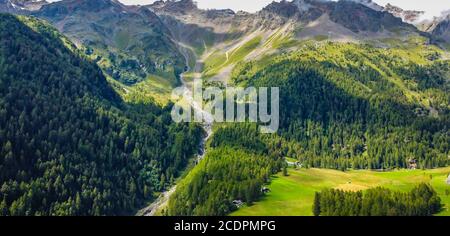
(236, 169)
(420, 201)
(69, 144)
(356, 106)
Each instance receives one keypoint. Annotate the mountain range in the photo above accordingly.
(21, 6)
(85, 105)
(131, 43)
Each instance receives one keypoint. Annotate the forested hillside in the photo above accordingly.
(236, 168)
(130, 43)
(342, 106)
(420, 201)
(358, 106)
(69, 144)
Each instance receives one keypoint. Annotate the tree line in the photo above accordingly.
(420, 201)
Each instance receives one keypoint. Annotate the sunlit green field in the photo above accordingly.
(293, 195)
(219, 60)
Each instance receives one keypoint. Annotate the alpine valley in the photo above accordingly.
(85, 109)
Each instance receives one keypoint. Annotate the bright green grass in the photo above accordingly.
(293, 195)
(214, 62)
(291, 159)
(284, 41)
(219, 60)
(320, 38)
(240, 53)
(153, 89)
(44, 27)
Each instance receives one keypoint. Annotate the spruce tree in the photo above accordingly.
(316, 206)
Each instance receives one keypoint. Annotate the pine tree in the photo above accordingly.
(285, 171)
(3, 208)
(316, 206)
(78, 204)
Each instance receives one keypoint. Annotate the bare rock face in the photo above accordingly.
(284, 8)
(408, 16)
(442, 29)
(175, 6)
(369, 4)
(358, 17)
(21, 6)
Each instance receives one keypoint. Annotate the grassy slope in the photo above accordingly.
(294, 194)
(154, 89)
(413, 50)
(218, 60)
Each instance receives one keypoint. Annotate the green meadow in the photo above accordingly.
(293, 195)
(219, 60)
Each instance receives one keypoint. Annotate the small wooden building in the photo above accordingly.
(238, 203)
(412, 164)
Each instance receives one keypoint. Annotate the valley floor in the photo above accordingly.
(293, 195)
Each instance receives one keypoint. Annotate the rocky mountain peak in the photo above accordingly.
(71, 7)
(369, 4)
(359, 17)
(302, 5)
(20, 6)
(282, 8)
(442, 29)
(300, 10)
(409, 16)
(220, 13)
(175, 6)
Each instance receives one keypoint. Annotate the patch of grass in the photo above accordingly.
(45, 28)
(189, 76)
(291, 159)
(214, 62)
(154, 89)
(293, 195)
(320, 38)
(283, 41)
(122, 39)
(219, 60)
(289, 43)
(241, 52)
(447, 46)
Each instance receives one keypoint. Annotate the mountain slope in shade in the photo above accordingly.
(198, 28)
(221, 38)
(442, 29)
(358, 18)
(68, 144)
(130, 42)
